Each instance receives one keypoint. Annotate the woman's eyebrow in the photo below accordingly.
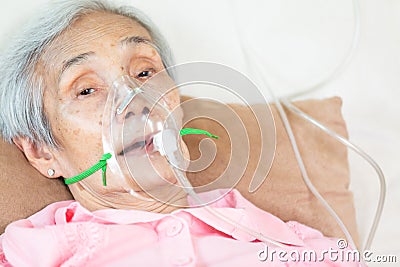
(84, 56)
(75, 61)
(135, 40)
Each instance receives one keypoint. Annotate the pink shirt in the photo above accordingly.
(66, 234)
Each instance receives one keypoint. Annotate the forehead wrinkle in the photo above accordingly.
(57, 53)
(83, 37)
(74, 39)
(70, 43)
(79, 35)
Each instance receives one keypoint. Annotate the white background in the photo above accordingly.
(298, 41)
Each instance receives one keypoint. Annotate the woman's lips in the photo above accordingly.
(149, 145)
(146, 142)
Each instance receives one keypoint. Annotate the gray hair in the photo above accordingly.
(21, 90)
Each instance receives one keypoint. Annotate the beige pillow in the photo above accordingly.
(24, 191)
(284, 192)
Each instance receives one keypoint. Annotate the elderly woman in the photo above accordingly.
(55, 82)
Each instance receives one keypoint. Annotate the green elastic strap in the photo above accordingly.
(102, 164)
(186, 131)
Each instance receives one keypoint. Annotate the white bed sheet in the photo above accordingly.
(298, 41)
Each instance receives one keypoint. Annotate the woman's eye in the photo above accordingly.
(87, 91)
(145, 74)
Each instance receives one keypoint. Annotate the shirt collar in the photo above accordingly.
(234, 206)
(230, 203)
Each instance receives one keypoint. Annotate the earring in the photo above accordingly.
(51, 172)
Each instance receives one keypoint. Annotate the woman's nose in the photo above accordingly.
(145, 111)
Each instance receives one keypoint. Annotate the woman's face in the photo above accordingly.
(78, 69)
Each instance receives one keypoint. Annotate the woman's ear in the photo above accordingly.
(39, 156)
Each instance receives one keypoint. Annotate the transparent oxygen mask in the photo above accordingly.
(147, 158)
(141, 131)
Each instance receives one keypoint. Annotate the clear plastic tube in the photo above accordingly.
(330, 75)
(189, 189)
(341, 66)
(359, 151)
(251, 57)
(300, 162)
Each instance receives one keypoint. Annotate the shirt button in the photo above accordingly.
(174, 228)
(181, 261)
